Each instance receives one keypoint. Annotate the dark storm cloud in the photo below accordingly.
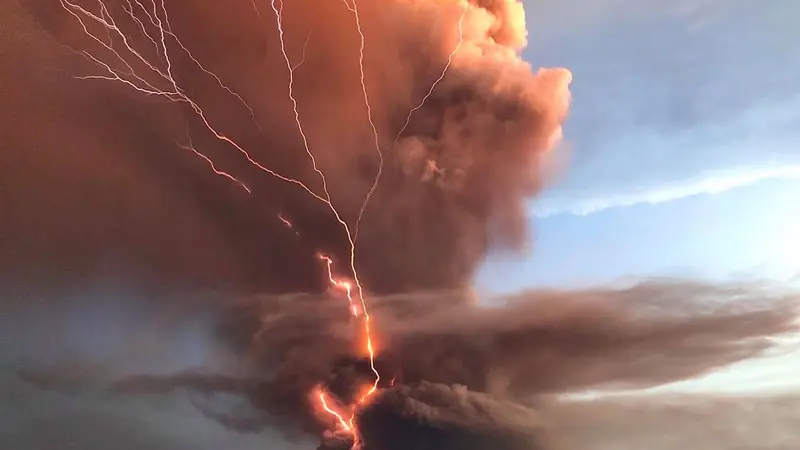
(448, 418)
(533, 343)
(96, 185)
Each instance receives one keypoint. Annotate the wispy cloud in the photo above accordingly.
(712, 183)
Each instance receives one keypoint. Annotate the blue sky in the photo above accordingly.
(682, 145)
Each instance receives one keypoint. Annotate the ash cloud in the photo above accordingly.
(520, 349)
(97, 187)
(97, 184)
(441, 417)
(463, 375)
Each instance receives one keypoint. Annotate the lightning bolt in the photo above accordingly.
(354, 9)
(210, 162)
(137, 82)
(156, 78)
(303, 59)
(342, 285)
(165, 75)
(345, 286)
(441, 76)
(326, 406)
(285, 221)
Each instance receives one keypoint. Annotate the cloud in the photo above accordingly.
(530, 345)
(679, 421)
(708, 185)
(685, 106)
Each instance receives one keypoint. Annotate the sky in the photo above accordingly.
(691, 168)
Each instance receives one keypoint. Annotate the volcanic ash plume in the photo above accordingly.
(455, 175)
(536, 343)
(456, 172)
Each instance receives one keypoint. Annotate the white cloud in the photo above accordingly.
(713, 183)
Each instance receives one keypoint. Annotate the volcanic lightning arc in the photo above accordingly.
(345, 286)
(158, 18)
(323, 399)
(106, 20)
(307, 368)
(210, 162)
(354, 10)
(441, 76)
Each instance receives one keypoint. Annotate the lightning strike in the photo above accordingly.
(202, 67)
(141, 85)
(441, 76)
(210, 162)
(159, 19)
(288, 223)
(285, 221)
(323, 400)
(354, 10)
(303, 58)
(336, 283)
(278, 11)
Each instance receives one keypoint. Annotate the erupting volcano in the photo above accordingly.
(339, 170)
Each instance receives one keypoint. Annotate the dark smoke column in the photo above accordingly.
(437, 417)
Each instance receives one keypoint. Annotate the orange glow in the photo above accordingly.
(327, 405)
(441, 77)
(354, 10)
(210, 162)
(341, 285)
(155, 27)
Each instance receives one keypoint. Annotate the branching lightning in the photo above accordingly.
(285, 221)
(156, 78)
(303, 58)
(345, 286)
(342, 285)
(210, 162)
(441, 76)
(140, 84)
(354, 9)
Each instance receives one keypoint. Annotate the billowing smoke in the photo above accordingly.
(453, 184)
(98, 185)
